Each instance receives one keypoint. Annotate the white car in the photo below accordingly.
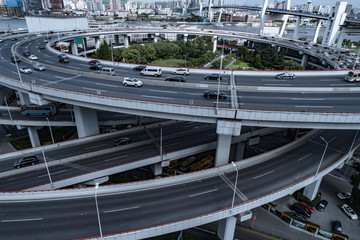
(25, 70)
(349, 211)
(39, 67)
(33, 57)
(132, 82)
(343, 195)
(181, 71)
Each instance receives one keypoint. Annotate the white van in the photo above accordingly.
(107, 70)
(151, 71)
(353, 76)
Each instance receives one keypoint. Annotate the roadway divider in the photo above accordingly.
(168, 181)
(37, 150)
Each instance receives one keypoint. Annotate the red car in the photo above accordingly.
(311, 209)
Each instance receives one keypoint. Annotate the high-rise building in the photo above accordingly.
(33, 5)
(56, 5)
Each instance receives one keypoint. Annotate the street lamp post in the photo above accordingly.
(97, 210)
(218, 88)
(8, 109)
(236, 180)
(17, 67)
(47, 168)
(52, 137)
(322, 157)
(112, 53)
(161, 146)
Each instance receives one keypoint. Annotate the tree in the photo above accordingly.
(150, 52)
(131, 55)
(291, 65)
(103, 52)
(257, 62)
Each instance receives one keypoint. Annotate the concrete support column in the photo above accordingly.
(304, 60)
(285, 19)
(226, 228)
(97, 42)
(239, 152)
(24, 98)
(116, 40)
(185, 37)
(201, 8)
(156, 37)
(340, 39)
(311, 190)
(317, 29)
(297, 27)
(262, 16)
(157, 169)
(34, 136)
(215, 43)
(338, 20)
(210, 13)
(225, 130)
(74, 49)
(86, 121)
(126, 41)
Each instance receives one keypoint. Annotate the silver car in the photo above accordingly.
(132, 82)
(39, 67)
(349, 211)
(25, 70)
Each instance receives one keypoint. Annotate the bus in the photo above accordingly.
(353, 76)
(185, 165)
(204, 163)
(35, 110)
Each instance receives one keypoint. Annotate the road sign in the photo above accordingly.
(79, 40)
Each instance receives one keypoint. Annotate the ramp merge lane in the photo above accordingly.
(75, 217)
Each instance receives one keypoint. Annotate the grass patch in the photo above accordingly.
(239, 64)
(168, 62)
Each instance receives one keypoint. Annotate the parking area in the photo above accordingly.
(329, 187)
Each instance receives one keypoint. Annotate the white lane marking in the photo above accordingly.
(156, 97)
(121, 209)
(329, 80)
(273, 80)
(96, 146)
(45, 175)
(161, 91)
(197, 194)
(77, 68)
(263, 175)
(337, 85)
(308, 106)
(284, 85)
(23, 220)
(49, 61)
(115, 158)
(308, 99)
(170, 144)
(94, 89)
(304, 157)
(106, 85)
(14, 72)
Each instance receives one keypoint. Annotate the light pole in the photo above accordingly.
(8, 109)
(161, 147)
(112, 54)
(218, 88)
(322, 157)
(52, 137)
(17, 67)
(236, 180)
(47, 168)
(97, 210)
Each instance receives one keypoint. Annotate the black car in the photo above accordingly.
(94, 62)
(41, 47)
(175, 78)
(337, 226)
(214, 94)
(14, 39)
(213, 76)
(122, 141)
(322, 205)
(15, 59)
(139, 68)
(26, 53)
(299, 208)
(26, 161)
(296, 215)
(96, 67)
